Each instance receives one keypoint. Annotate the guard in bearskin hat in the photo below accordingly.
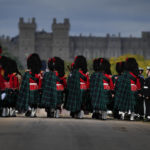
(119, 70)
(77, 85)
(49, 94)
(146, 94)
(80, 62)
(60, 85)
(9, 86)
(53, 87)
(96, 114)
(101, 85)
(29, 95)
(126, 89)
(14, 78)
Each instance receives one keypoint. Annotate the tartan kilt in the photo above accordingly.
(40, 98)
(100, 97)
(73, 102)
(74, 94)
(49, 93)
(86, 102)
(49, 99)
(59, 97)
(48, 103)
(81, 103)
(24, 93)
(102, 102)
(34, 98)
(127, 104)
(84, 96)
(125, 99)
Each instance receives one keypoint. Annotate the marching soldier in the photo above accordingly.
(119, 70)
(126, 89)
(101, 86)
(29, 95)
(53, 86)
(9, 85)
(60, 85)
(77, 85)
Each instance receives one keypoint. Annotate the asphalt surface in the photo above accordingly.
(72, 134)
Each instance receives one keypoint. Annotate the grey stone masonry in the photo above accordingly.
(60, 43)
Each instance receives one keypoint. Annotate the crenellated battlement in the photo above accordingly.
(65, 26)
(29, 24)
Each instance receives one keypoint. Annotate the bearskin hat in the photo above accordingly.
(72, 66)
(80, 63)
(107, 66)
(96, 64)
(59, 66)
(120, 67)
(104, 65)
(4, 62)
(34, 63)
(51, 64)
(131, 65)
(13, 67)
(6, 65)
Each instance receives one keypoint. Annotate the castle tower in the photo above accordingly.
(26, 39)
(60, 44)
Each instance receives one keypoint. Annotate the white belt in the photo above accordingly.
(82, 83)
(105, 84)
(145, 87)
(33, 83)
(58, 84)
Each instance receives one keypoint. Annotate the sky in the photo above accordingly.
(96, 17)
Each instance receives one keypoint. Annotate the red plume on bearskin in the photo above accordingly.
(72, 64)
(54, 60)
(101, 61)
(50, 59)
(75, 58)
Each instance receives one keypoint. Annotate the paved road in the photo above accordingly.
(72, 134)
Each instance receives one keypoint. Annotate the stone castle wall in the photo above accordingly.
(60, 43)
